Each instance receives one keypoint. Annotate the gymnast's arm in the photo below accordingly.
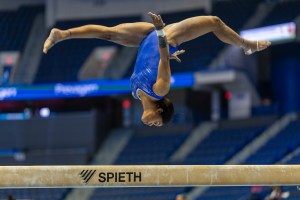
(162, 84)
(163, 80)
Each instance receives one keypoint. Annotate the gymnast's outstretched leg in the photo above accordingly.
(127, 34)
(194, 27)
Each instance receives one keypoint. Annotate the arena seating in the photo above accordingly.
(276, 148)
(221, 145)
(41, 194)
(140, 149)
(273, 151)
(222, 193)
(15, 27)
(235, 12)
(284, 11)
(136, 193)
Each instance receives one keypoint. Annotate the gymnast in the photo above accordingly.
(150, 81)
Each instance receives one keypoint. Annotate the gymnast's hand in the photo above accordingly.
(157, 21)
(175, 55)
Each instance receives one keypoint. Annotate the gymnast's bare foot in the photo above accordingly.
(56, 35)
(251, 47)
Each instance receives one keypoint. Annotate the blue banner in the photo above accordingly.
(81, 89)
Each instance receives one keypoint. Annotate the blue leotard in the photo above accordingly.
(146, 66)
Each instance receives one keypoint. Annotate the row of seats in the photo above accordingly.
(136, 193)
(140, 149)
(221, 145)
(277, 147)
(41, 194)
(285, 142)
(284, 11)
(15, 27)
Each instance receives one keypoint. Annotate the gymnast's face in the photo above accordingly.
(152, 117)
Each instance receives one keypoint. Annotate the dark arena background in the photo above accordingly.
(73, 105)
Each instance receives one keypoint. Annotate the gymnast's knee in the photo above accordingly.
(217, 22)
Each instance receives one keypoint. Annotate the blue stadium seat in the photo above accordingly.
(15, 27)
(221, 145)
(140, 149)
(274, 150)
(277, 147)
(41, 194)
(284, 11)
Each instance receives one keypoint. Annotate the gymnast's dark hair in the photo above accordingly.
(168, 109)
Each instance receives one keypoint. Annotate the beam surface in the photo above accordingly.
(148, 175)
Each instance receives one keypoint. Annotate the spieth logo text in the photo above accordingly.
(111, 177)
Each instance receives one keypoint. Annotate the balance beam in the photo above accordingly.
(147, 176)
